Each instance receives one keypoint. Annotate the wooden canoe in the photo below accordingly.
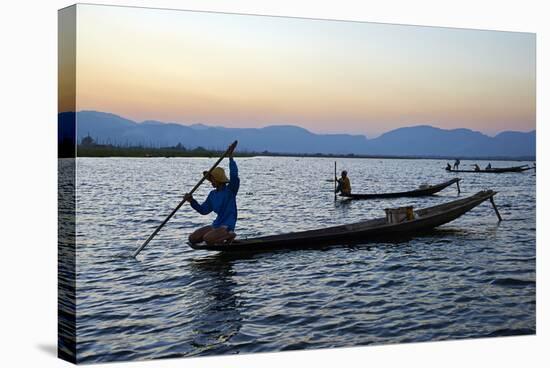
(495, 170)
(430, 190)
(360, 232)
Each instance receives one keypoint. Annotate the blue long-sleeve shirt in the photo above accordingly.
(222, 201)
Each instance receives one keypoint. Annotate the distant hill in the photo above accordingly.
(109, 128)
(423, 140)
(426, 140)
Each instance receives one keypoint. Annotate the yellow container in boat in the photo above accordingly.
(398, 215)
(410, 213)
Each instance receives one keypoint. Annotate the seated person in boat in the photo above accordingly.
(488, 167)
(223, 201)
(456, 164)
(476, 167)
(448, 168)
(344, 185)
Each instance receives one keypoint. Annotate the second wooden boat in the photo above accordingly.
(496, 170)
(420, 192)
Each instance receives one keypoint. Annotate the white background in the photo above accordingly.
(28, 207)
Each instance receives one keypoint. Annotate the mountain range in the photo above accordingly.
(417, 141)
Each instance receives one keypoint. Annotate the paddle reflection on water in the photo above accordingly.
(217, 318)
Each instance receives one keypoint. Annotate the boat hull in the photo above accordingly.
(413, 193)
(501, 170)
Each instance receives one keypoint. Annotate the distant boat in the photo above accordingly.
(424, 219)
(420, 192)
(495, 170)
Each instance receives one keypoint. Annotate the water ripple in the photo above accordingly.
(470, 278)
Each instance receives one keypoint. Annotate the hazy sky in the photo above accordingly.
(326, 76)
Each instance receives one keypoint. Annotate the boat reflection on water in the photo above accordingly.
(218, 319)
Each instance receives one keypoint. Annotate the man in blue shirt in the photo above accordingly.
(223, 201)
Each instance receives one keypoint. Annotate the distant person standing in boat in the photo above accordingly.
(457, 163)
(488, 167)
(448, 168)
(223, 201)
(344, 185)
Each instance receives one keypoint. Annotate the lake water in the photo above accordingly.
(470, 278)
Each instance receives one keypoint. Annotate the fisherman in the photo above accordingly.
(457, 162)
(448, 168)
(488, 167)
(476, 167)
(344, 185)
(223, 201)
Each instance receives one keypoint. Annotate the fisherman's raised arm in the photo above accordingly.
(234, 180)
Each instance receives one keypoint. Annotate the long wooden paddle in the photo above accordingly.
(229, 149)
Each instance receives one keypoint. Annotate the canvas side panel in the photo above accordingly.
(66, 135)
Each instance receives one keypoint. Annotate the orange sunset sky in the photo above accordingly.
(326, 76)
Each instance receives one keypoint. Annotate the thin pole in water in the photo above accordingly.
(458, 185)
(496, 209)
(335, 180)
(230, 148)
